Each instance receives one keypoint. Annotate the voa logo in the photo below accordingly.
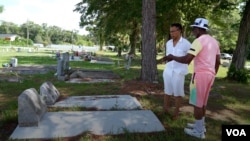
(236, 132)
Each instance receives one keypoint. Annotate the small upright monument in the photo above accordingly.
(63, 66)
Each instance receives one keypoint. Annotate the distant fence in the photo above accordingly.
(74, 48)
(58, 47)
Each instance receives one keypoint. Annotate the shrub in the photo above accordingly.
(240, 75)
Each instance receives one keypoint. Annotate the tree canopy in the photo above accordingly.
(110, 20)
(44, 34)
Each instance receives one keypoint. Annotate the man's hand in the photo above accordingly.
(165, 59)
(169, 57)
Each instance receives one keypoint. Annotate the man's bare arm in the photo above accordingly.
(217, 63)
(183, 59)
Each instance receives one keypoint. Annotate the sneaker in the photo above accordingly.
(191, 125)
(194, 133)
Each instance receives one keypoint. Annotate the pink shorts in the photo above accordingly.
(200, 86)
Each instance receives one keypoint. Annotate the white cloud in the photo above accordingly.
(53, 12)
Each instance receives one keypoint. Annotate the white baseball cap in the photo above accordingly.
(201, 23)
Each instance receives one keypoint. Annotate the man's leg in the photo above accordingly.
(198, 128)
(178, 100)
(166, 106)
(203, 118)
(178, 86)
(167, 77)
(198, 113)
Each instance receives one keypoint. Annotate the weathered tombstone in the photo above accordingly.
(66, 62)
(49, 93)
(13, 62)
(31, 108)
(63, 66)
(59, 68)
(128, 57)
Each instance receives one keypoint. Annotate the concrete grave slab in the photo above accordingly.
(101, 60)
(100, 102)
(69, 124)
(91, 76)
(29, 69)
(95, 74)
(88, 80)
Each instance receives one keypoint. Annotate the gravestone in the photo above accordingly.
(63, 66)
(129, 58)
(13, 62)
(59, 68)
(49, 93)
(31, 108)
(65, 61)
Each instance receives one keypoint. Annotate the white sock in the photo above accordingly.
(199, 125)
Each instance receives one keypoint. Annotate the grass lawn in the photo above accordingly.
(228, 103)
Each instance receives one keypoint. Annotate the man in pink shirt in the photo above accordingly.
(205, 53)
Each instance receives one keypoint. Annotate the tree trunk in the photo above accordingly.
(101, 41)
(149, 67)
(133, 38)
(240, 53)
(119, 52)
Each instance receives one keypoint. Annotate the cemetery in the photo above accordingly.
(96, 70)
(33, 104)
(113, 115)
(41, 110)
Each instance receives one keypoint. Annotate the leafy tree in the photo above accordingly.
(112, 18)
(243, 41)
(9, 28)
(236, 71)
(38, 39)
(45, 34)
(223, 26)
